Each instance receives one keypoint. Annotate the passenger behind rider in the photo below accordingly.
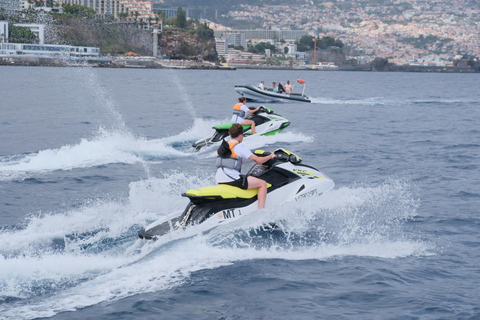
(229, 169)
(240, 110)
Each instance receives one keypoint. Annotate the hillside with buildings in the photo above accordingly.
(414, 32)
(271, 32)
(80, 30)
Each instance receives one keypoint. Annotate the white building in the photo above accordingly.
(11, 6)
(48, 50)
(3, 31)
(29, 4)
(254, 42)
(266, 34)
(236, 39)
(237, 57)
(292, 50)
(222, 46)
(135, 9)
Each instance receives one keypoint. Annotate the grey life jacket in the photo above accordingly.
(237, 111)
(227, 158)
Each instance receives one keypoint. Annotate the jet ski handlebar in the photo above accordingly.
(262, 109)
(282, 155)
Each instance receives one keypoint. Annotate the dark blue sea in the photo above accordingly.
(90, 156)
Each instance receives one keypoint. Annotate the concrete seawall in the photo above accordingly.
(180, 64)
(107, 63)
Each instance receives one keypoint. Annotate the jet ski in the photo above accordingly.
(287, 177)
(253, 93)
(266, 123)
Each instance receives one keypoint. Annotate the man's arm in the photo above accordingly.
(261, 160)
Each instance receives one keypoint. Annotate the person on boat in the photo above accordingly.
(240, 110)
(262, 85)
(274, 87)
(229, 164)
(288, 87)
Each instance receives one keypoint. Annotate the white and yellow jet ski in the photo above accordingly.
(288, 179)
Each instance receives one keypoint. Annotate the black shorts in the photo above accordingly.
(241, 183)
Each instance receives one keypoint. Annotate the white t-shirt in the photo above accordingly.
(223, 173)
(238, 119)
(261, 86)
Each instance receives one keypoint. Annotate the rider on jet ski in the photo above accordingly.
(230, 157)
(240, 110)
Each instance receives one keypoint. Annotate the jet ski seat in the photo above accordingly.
(226, 126)
(221, 191)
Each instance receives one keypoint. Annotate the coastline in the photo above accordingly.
(150, 63)
(181, 64)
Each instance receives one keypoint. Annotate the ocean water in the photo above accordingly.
(90, 156)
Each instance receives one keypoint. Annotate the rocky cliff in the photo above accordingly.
(332, 54)
(198, 45)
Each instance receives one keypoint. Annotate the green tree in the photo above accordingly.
(79, 11)
(252, 49)
(285, 50)
(305, 43)
(326, 42)
(181, 21)
(204, 32)
(162, 16)
(21, 35)
(260, 48)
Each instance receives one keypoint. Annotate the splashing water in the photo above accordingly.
(113, 119)
(110, 263)
(107, 147)
(183, 93)
(384, 101)
(363, 216)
